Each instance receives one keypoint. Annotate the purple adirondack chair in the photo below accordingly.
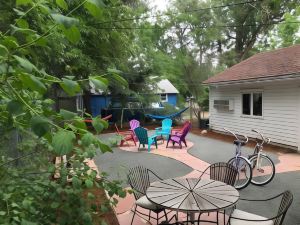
(134, 124)
(179, 137)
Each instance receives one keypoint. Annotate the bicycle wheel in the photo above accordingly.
(263, 169)
(244, 171)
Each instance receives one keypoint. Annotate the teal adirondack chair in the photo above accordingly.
(142, 135)
(165, 129)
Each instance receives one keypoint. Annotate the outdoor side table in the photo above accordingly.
(192, 195)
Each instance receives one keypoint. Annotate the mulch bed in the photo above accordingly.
(109, 217)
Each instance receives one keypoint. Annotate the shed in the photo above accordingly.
(261, 92)
(165, 90)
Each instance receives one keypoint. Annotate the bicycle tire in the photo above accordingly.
(257, 178)
(244, 169)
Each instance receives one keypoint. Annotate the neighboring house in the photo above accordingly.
(166, 91)
(262, 92)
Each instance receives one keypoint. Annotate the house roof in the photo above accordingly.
(280, 62)
(165, 86)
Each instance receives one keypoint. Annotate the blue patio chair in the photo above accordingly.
(142, 135)
(165, 129)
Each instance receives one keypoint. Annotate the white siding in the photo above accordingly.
(281, 117)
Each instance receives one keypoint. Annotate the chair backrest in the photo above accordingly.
(139, 180)
(286, 201)
(223, 172)
(186, 130)
(141, 134)
(166, 123)
(134, 124)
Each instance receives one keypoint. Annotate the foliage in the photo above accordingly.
(45, 46)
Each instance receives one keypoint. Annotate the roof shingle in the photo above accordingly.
(281, 62)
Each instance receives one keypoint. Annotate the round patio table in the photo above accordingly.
(192, 195)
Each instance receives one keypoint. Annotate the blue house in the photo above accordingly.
(165, 90)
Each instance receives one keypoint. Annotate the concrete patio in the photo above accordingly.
(201, 151)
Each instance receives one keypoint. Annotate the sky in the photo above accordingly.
(161, 5)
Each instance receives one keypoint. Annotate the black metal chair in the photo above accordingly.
(139, 180)
(168, 222)
(239, 217)
(224, 172)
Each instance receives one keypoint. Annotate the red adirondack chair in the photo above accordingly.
(180, 130)
(126, 136)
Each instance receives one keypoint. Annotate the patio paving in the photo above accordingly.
(200, 153)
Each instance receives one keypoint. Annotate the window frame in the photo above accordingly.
(251, 92)
(166, 100)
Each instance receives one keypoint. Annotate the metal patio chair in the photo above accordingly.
(239, 217)
(139, 180)
(221, 171)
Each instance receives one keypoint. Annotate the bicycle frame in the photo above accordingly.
(238, 153)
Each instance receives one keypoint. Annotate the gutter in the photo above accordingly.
(292, 76)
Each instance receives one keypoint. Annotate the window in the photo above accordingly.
(163, 98)
(252, 104)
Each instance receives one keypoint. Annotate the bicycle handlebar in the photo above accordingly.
(236, 136)
(264, 140)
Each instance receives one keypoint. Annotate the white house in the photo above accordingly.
(262, 92)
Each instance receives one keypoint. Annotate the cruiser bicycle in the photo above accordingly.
(257, 168)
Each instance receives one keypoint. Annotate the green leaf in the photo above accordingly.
(72, 34)
(87, 139)
(76, 182)
(22, 23)
(62, 4)
(54, 205)
(32, 83)
(80, 125)
(70, 87)
(14, 107)
(89, 183)
(116, 76)
(10, 42)
(122, 193)
(94, 11)
(62, 142)
(98, 3)
(23, 2)
(100, 83)
(28, 66)
(3, 51)
(2, 213)
(64, 20)
(67, 115)
(22, 30)
(26, 222)
(104, 148)
(39, 125)
(97, 124)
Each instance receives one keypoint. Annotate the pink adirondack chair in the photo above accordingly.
(134, 124)
(179, 137)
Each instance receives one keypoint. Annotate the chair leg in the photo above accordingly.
(180, 145)
(133, 214)
(149, 215)
(122, 142)
(166, 215)
(184, 143)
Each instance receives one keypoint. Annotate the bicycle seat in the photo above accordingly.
(239, 142)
